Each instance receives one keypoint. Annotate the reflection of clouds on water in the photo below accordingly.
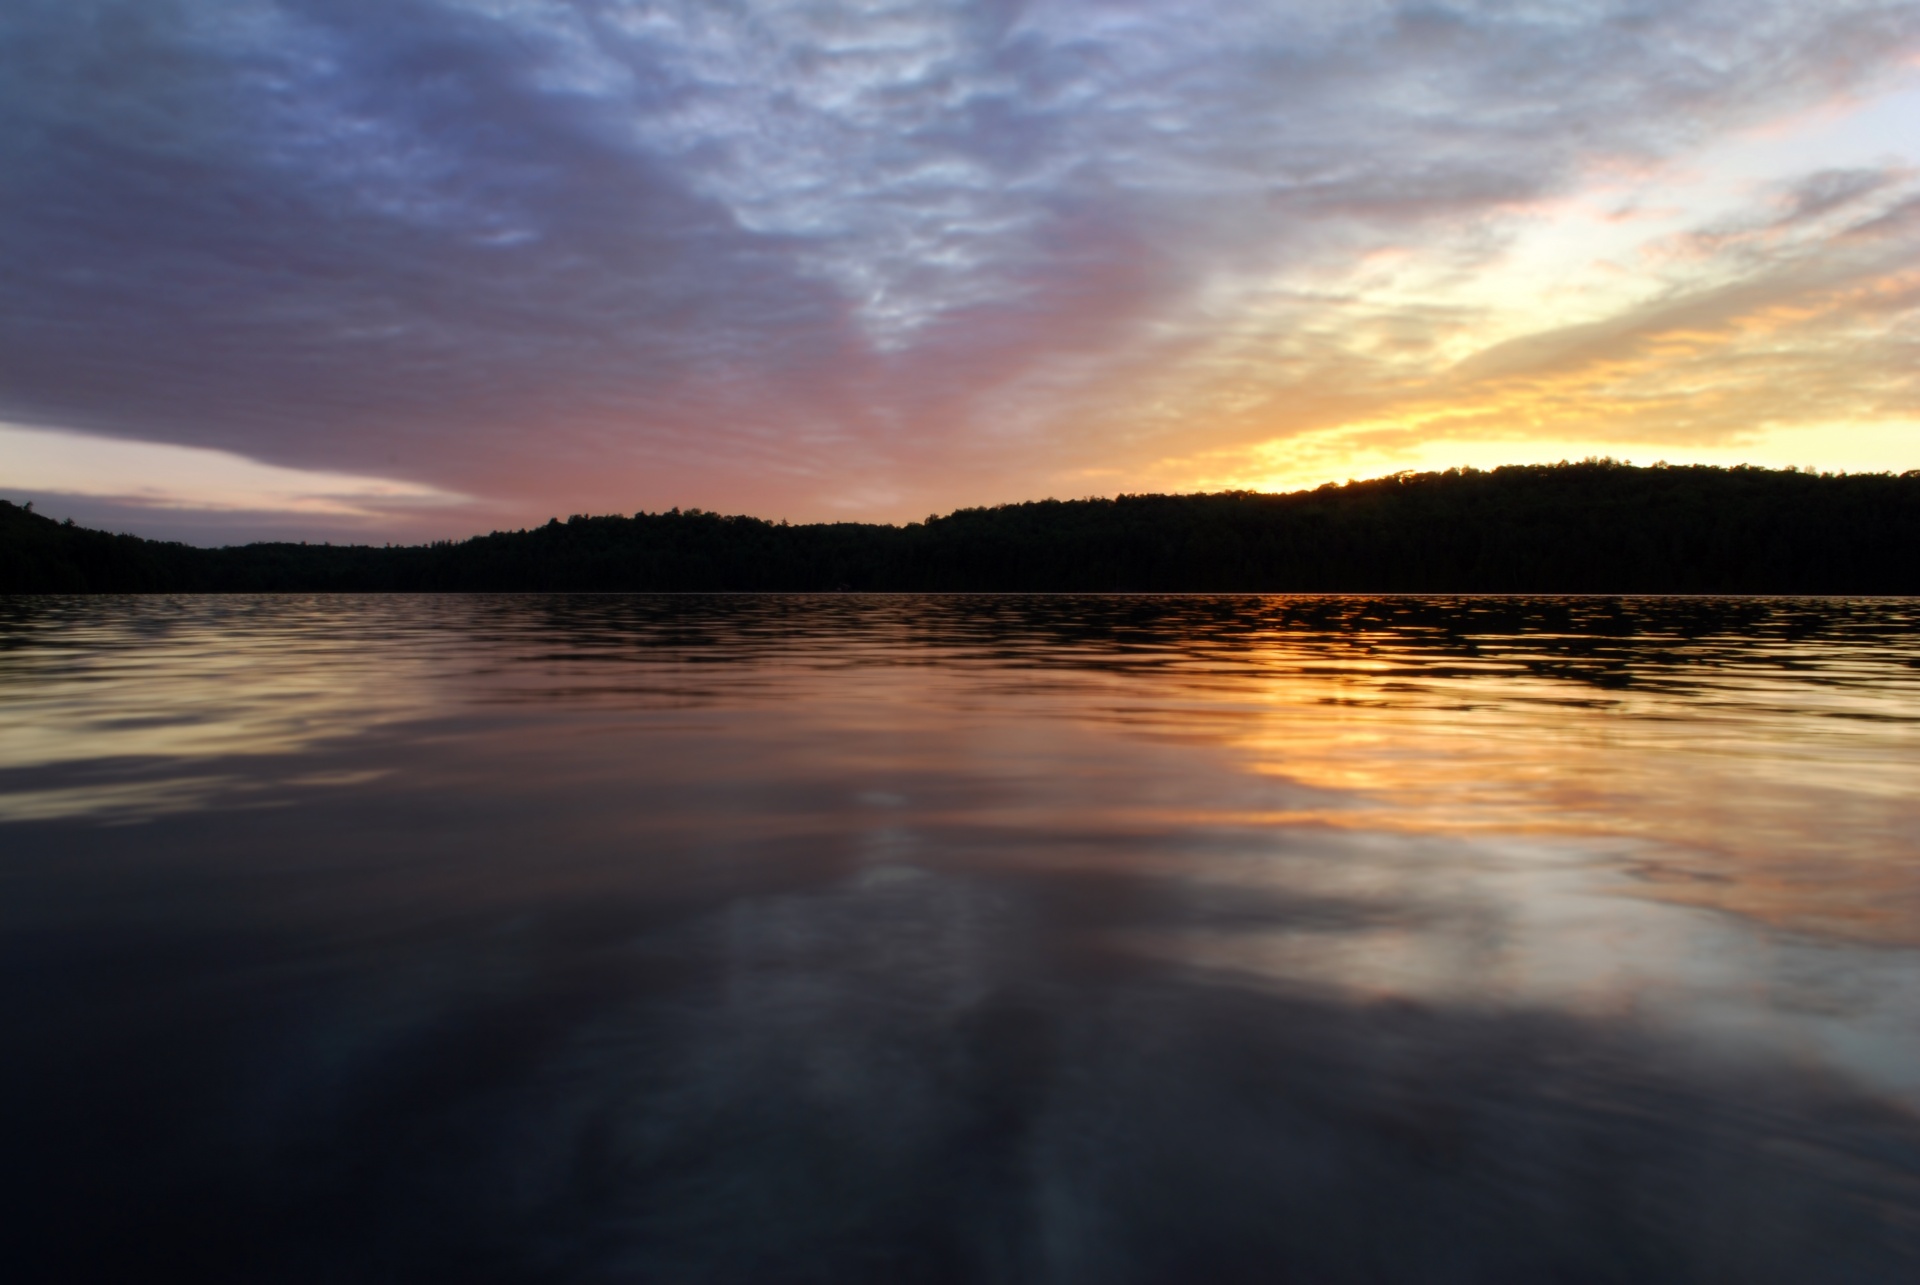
(1094, 939)
(900, 1070)
(1488, 924)
(196, 678)
(110, 801)
(941, 1071)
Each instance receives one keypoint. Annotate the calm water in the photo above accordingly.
(853, 939)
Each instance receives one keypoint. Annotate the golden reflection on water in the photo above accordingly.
(1791, 803)
(185, 679)
(1573, 868)
(1754, 768)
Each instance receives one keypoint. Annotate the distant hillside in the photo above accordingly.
(1595, 527)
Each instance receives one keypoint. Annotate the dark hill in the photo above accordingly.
(1595, 527)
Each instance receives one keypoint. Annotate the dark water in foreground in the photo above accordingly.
(852, 939)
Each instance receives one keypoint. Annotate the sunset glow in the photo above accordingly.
(421, 269)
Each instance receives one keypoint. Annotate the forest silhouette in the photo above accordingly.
(1599, 526)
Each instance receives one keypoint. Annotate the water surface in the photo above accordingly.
(844, 938)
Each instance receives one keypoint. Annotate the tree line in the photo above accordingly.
(1593, 527)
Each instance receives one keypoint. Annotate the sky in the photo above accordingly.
(408, 269)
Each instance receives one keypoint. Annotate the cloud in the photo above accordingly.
(1786, 339)
(185, 477)
(817, 257)
(1822, 193)
(214, 497)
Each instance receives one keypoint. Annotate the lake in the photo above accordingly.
(1057, 939)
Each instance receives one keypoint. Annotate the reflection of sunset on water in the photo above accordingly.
(1791, 802)
(1181, 875)
(1769, 778)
